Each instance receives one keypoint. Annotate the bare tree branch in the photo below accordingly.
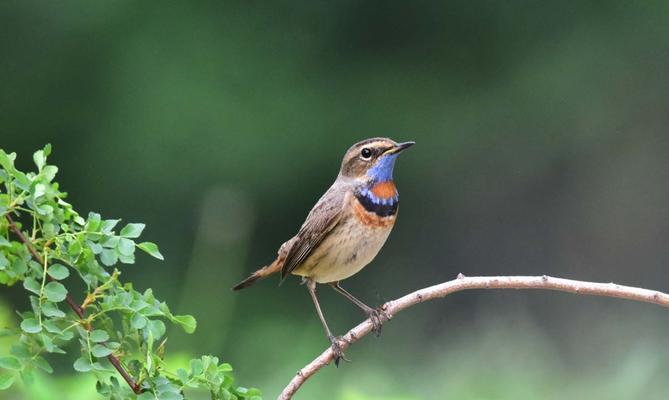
(466, 283)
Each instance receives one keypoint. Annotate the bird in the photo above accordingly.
(345, 229)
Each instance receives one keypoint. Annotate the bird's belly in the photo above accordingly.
(350, 247)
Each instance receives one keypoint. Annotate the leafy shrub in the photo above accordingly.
(44, 243)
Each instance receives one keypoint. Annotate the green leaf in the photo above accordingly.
(32, 285)
(79, 220)
(4, 262)
(96, 248)
(108, 257)
(40, 190)
(138, 321)
(82, 364)
(34, 304)
(183, 375)
(196, 367)
(40, 159)
(58, 271)
(47, 342)
(21, 350)
(66, 335)
(108, 225)
(50, 172)
(7, 160)
(130, 259)
(36, 267)
(113, 345)
(101, 351)
(55, 291)
(74, 249)
(132, 230)
(44, 210)
(19, 266)
(43, 364)
(170, 396)
(151, 249)
(10, 362)
(49, 230)
(51, 326)
(51, 310)
(110, 242)
(93, 222)
(104, 389)
(6, 380)
(99, 336)
(157, 328)
(126, 247)
(103, 366)
(187, 322)
(30, 325)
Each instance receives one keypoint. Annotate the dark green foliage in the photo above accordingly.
(119, 322)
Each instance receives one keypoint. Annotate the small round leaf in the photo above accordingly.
(82, 364)
(30, 325)
(101, 351)
(55, 292)
(57, 271)
(99, 336)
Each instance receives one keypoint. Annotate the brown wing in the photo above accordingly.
(321, 219)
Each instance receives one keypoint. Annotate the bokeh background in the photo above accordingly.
(542, 148)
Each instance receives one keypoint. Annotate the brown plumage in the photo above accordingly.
(346, 228)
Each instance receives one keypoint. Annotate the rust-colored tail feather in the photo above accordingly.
(259, 274)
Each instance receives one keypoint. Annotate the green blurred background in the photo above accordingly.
(542, 149)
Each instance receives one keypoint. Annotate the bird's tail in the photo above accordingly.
(259, 274)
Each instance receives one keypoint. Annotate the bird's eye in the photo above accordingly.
(366, 153)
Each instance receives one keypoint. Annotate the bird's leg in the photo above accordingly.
(376, 315)
(334, 340)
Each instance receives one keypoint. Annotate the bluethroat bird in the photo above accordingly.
(345, 229)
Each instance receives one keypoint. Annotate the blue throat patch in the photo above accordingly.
(383, 170)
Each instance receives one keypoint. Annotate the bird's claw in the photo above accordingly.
(338, 353)
(377, 316)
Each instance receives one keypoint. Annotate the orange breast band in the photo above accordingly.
(384, 190)
(369, 218)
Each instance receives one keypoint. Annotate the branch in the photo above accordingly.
(466, 283)
(73, 305)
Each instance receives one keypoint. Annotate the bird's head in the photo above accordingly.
(372, 160)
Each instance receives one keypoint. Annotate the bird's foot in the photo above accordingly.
(337, 350)
(377, 316)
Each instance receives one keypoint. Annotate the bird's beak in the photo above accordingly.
(400, 147)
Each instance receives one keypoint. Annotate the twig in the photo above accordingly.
(466, 283)
(73, 305)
